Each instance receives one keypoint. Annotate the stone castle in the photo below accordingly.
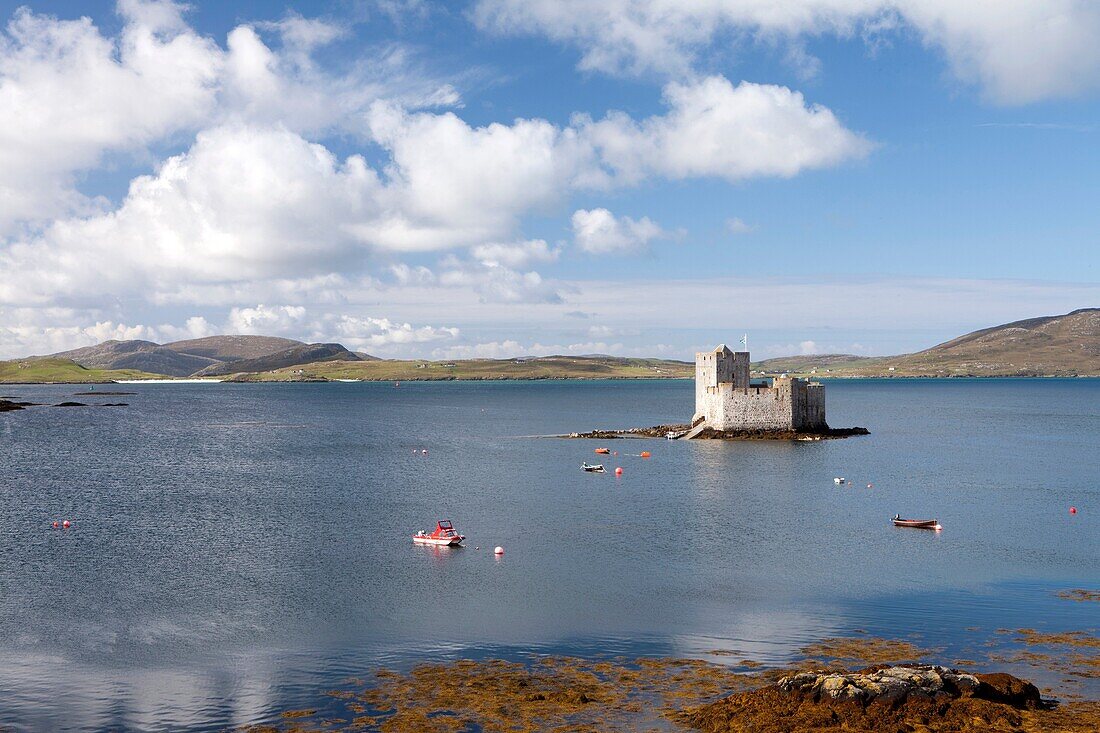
(726, 400)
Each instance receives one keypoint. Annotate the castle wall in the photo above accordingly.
(725, 400)
(752, 408)
(809, 412)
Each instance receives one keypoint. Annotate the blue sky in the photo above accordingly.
(502, 178)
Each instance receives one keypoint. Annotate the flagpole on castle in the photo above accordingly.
(745, 341)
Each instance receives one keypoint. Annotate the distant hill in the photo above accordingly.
(545, 367)
(142, 355)
(305, 354)
(1065, 345)
(1051, 346)
(48, 370)
(231, 348)
(178, 359)
(804, 364)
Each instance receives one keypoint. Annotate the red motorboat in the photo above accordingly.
(444, 534)
(917, 523)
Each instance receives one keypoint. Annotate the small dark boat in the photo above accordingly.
(916, 523)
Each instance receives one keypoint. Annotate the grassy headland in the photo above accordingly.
(63, 371)
(547, 367)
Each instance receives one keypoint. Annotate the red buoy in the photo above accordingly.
(619, 471)
(1073, 510)
(65, 524)
(55, 524)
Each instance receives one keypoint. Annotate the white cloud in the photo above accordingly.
(353, 331)
(486, 350)
(266, 320)
(372, 333)
(1017, 51)
(600, 331)
(718, 130)
(243, 203)
(520, 254)
(253, 210)
(27, 331)
(454, 185)
(496, 283)
(68, 95)
(451, 185)
(598, 231)
(738, 226)
(807, 348)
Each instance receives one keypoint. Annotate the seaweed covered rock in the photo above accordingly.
(879, 698)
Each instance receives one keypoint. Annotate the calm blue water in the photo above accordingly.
(238, 549)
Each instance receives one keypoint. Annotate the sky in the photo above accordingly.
(501, 178)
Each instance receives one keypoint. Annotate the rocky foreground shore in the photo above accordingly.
(885, 698)
(570, 695)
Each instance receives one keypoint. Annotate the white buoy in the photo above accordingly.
(498, 550)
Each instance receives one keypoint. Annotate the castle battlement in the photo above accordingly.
(725, 399)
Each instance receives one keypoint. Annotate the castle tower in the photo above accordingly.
(714, 368)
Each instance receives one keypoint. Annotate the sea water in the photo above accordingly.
(237, 550)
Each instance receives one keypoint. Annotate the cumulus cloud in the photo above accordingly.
(1017, 51)
(372, 333)
(354, 331)
(598, 231)
(266, 320)
(243, 203)
(25, 331)
(715, 129)
(253, 209)
(69, 95)
(453, 184)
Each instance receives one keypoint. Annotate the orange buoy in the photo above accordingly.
(645, 454)
(1073, 510)
(619, 471)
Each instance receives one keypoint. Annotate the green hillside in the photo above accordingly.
(548, 367)
(49, 370)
